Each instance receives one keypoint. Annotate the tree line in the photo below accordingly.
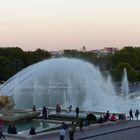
(128, 57)
(15, 59)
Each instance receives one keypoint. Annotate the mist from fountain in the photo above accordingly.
(65, 81)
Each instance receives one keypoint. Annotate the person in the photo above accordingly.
(64, 125)
(77, 112)
(73, 127)
(62, 133)
(1, 130)
(107, 116)
(9, 129)
(120, 117)
(70, 108)
(131, 114)
(137, 114)
(34, 108)
(47, 109)
(58, 108)
(44, 112)
(13, 130)
(113, 118)
(71, 134)
(100, 120)
(32, 131)
(81, 125)
(123, 117)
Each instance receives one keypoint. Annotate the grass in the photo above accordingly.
(61, 118)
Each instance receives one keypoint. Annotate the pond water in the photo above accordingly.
(23, 127)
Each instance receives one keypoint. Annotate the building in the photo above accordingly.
(110, 50)
(104, 51)
(56, 54)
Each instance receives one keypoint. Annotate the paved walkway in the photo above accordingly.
(100, 131)
(103, 130)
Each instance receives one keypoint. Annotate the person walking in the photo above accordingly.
(62, 133)
(137, 114)
(72, 131)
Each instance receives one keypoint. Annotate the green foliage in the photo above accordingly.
(118, 72)
(15, 59)
(91, 117)
(127, 55)
(87, 56)
(3, 68)
(15, 65)
(130, 56)
(36, 56)
(104, 62)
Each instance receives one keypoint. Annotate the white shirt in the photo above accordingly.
(62, 132)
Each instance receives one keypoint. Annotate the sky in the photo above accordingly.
(69, 24)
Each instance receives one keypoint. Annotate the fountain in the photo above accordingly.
(67, 82)
(125, 85)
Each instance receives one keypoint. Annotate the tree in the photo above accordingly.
(14, 59)
(14, 66)
(36, 56)
(127, 55)
(4, 72)
(87, 56)
(118, 72)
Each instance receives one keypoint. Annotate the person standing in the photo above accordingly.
(77, 112)
(62, 133)
(107, 116)
(58, 109)
(47, 109)
(137, 114)
(131, 114)
(34, 108)
(44, 112)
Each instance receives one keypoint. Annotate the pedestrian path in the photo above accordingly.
(90, 131)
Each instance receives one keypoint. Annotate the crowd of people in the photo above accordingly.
(108, 117)
(72, 127)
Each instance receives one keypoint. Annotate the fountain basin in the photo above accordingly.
(23, 127)
(17, 115)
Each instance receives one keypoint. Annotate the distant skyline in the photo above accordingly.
(69, 24)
